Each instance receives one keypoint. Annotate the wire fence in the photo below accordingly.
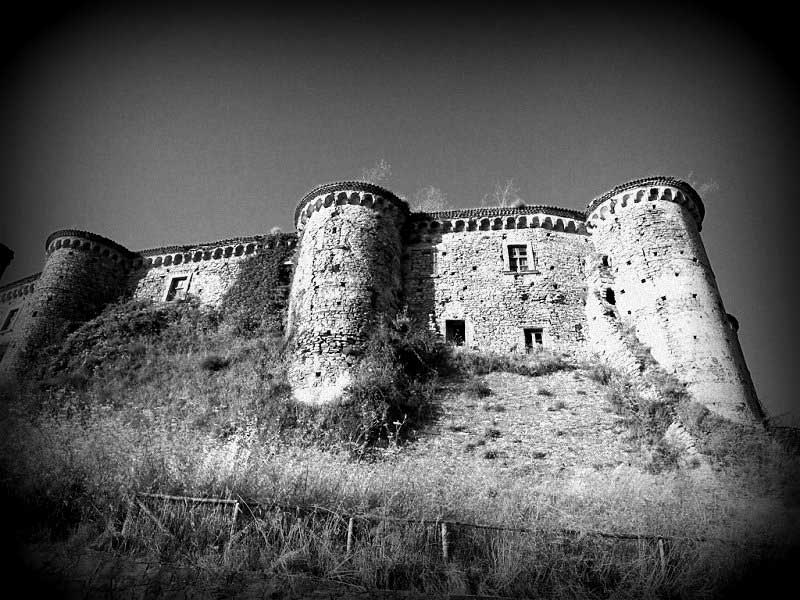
(442, 529)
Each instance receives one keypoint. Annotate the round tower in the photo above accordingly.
(82, 273)
(347, 278)
(662, 284)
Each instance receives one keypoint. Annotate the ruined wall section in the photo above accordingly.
(347, 278)
(457, 267)
(82, 273)
(207, 270)
(663, 284)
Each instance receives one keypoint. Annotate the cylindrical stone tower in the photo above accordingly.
(348, 277)
(663, 285)
(82, 273)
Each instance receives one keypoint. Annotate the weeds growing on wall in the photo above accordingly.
(393, 390)
(256, 303)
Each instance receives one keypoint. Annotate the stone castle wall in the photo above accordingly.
(209, 269)
(663, 284)
(635, 259)
(457, 268)
(347, 278)
(82, 273)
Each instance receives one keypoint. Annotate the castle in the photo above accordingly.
(498, 278)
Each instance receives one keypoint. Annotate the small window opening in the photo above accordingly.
(518, 258)
(177, 288)
(610, 298)
(7, 322)
(533, 338)
(455, 332)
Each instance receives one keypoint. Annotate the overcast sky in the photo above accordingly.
(195, 124)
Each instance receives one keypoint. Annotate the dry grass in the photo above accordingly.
(69, 455)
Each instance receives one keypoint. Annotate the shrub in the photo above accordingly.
(534, 364)
(544, 392)
(214, 362)
(392, 392)
(114, 344)
(492, 433)
(663, 457)
(476, 387)
(601, 373)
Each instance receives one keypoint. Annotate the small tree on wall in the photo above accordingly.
(380, 172)
(430, 199)
(504, 193)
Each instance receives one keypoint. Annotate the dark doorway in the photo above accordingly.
(455, 332)
(533, 338)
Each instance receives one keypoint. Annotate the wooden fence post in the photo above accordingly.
(350, 536)
(233, 529)
(445, 543)
(662, 557)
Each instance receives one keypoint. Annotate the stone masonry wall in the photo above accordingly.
(210, 269)
(15, 302)
(82, 273)
(347, 278)
(664, 285)
(466, 275)
(634, 259)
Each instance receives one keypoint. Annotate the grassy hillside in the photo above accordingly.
(181, 399)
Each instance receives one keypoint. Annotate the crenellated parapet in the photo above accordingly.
(90, 244)
(18, 289)
(648, 189)
(210, 251)
(496, 218)
(341, 193)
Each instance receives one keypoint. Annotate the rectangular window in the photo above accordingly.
(9, 320)
(177, 288)
(533, 338)
(518, 259)
(455, 332)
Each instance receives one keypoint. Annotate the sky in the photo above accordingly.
(195, 123)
